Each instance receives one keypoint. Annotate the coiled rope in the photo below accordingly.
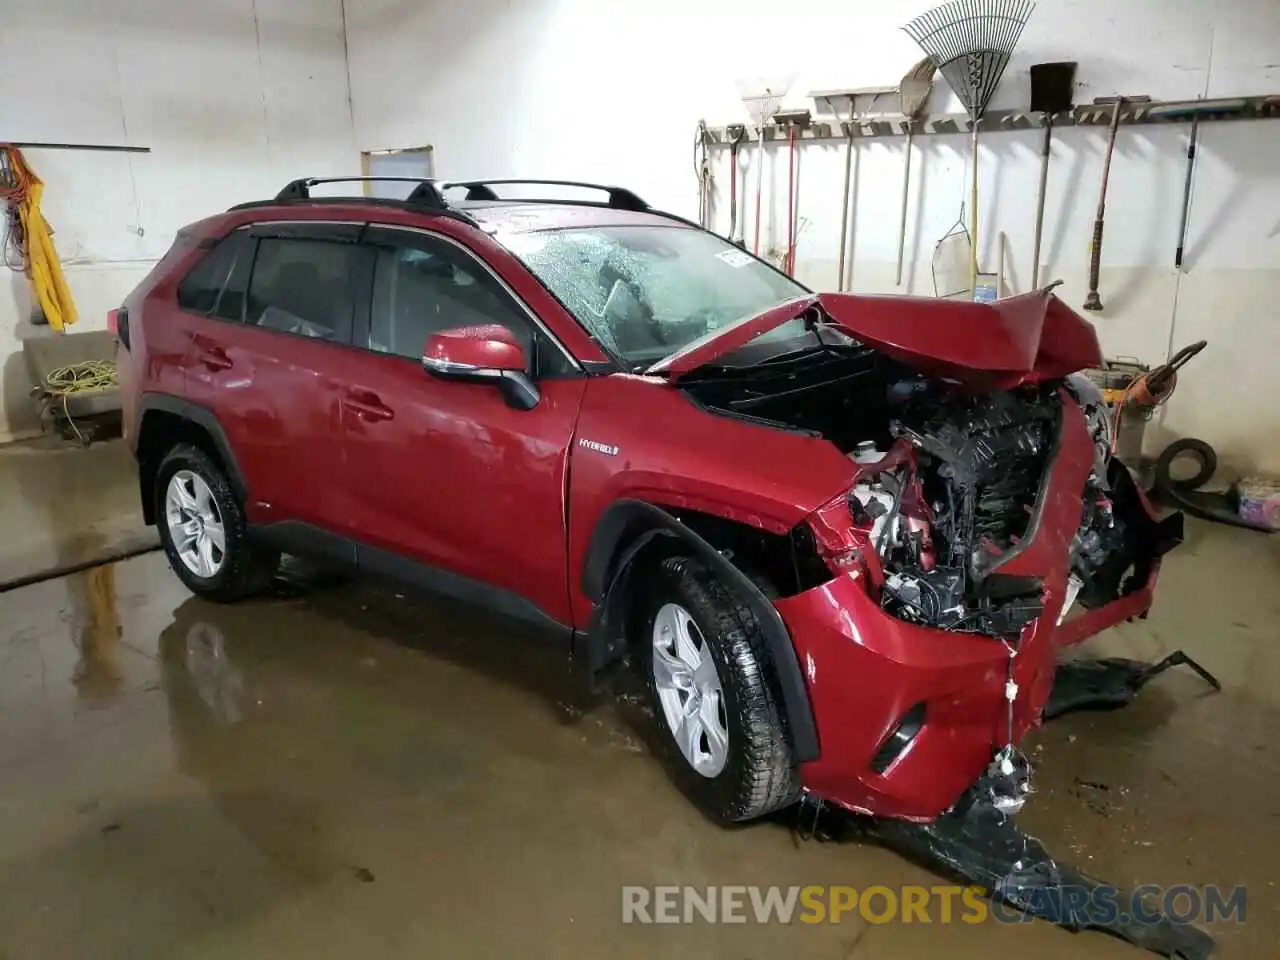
(83, 377)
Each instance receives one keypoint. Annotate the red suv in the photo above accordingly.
(838, 534)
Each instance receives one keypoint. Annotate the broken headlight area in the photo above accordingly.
(1101, 551)
(955, 493)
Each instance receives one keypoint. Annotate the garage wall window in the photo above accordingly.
(303, 287)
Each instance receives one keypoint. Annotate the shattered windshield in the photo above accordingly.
(647, 291)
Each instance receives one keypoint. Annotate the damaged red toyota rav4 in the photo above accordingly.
(842, 536)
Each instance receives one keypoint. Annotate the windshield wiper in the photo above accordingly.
(821, 347)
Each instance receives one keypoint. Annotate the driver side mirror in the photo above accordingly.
(484, 354)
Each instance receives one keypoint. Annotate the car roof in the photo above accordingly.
(516, 216)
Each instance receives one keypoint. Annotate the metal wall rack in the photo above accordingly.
(995, 121)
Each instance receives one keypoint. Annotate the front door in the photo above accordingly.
(268, 350)
(449, 482)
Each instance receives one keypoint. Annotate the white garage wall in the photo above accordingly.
(234, 98)
(612, 92)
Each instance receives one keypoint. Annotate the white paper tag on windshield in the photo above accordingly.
(735, 258)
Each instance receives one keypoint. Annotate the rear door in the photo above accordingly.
(268, 354)
(447, 480)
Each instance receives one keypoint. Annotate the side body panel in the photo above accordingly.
(275, 392)
(445, 472)
(154, 359)
(449, 475)
(277, 398)
(638, 438)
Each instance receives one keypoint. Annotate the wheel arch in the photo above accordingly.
(165, 421)
(626, 531)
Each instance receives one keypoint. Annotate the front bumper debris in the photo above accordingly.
(1110, 682)
(982, 846)
(979, 843)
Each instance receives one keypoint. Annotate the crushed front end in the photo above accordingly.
(958, 553)
(984, 526)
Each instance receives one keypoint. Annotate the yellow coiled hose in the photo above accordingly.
(64, 382)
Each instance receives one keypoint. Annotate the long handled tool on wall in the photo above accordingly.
(794, 121)
(761, 98)
(1194, 110)
(971, 42)
(702, 169)
(737, 133)
(1051, 93)
(1092, 300)
(853, 126)
(1186, 191)
(845, 200)
(914, 95)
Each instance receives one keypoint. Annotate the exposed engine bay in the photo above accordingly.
(947, 482)
(979, 466)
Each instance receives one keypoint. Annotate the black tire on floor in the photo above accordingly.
(245, 569)
(1204, 455)
(759, 775)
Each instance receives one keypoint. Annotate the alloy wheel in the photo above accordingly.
(195, 524)
(689, 690)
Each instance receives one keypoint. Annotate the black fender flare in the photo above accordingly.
(206, 420)
(625, 529)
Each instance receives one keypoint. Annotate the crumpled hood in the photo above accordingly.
(1027, 338)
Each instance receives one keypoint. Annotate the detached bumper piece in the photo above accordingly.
(1111, 682)
(982, 846)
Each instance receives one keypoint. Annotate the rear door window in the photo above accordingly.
(303, 287)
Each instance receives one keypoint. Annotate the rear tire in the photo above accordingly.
(202, 529)
(681, 604)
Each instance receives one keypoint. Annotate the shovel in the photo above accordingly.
(914, 94)
(1051, 90)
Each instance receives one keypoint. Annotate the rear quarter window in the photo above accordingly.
(216, 284)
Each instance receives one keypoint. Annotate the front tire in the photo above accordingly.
(720, 731)
(202, 529)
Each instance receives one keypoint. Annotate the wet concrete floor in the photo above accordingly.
(342, 772)
(61, 506)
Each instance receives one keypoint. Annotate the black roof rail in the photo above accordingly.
(428, 194)
(424, 194)
(620, 198)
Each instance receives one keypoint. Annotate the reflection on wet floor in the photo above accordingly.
(98, 675)
(64, 506)
(337, 770)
